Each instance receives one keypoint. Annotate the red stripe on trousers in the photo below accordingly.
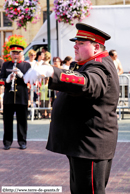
(92, 178)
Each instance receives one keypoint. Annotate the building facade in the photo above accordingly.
(8, 28)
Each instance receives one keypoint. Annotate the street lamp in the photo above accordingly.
(48, 25)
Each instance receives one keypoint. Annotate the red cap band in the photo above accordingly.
(16, 49)
(91, 36)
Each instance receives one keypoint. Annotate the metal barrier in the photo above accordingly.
(123, 103)
(35, 107)
(124, 94)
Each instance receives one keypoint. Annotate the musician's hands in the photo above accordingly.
(38, 72)
(9, 78)
(19, 73)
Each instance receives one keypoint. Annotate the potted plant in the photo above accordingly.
(22, 11)
(67, 11)
(14, 39)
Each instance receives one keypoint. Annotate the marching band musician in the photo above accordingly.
(15, 99)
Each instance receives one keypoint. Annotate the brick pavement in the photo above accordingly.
(119, 182)
(36, 166)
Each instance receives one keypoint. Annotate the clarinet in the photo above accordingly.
(13, 80)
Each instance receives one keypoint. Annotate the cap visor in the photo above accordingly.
(77, 38)
(73, 39)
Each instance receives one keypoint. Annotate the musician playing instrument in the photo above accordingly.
(15, 97)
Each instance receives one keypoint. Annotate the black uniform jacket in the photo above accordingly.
(1, 64)
(21, 88)
(84, 119)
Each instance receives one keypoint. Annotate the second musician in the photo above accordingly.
(15, 100)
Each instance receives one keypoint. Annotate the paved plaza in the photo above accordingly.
(36, 166)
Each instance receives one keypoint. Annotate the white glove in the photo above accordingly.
(9, 78)
(19, 73)
(38, 72)
(31, 76)
(45, 71)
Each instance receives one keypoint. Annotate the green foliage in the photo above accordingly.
(14, 39)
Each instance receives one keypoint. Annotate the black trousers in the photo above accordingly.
(88, 176)
(21, 116)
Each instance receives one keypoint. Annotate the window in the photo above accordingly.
(6, 29)
(7, 34)
(6, 21)
(35, 48)
(45, 15)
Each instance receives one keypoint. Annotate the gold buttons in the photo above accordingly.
(77, 67)
(67, 79)
(79, 80)
(73, 80)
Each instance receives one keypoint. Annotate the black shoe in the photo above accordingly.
(22, 147)
(6, 147)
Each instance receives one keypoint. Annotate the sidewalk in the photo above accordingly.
(36, 166)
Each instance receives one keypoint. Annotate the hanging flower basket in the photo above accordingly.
(14, 39)
(22, 11)
(68, 10)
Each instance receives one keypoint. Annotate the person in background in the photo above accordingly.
(15, 97)
(47, 58)
(117, 63)
(57, 62)
(32, 56)
(51, 93)
(1, 63)
(44, 49)
(44, 99)
(33, 63)
(83, 119)
(40, 55)
(66, 62)
(1, 86)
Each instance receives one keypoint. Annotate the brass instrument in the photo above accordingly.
(13, 80)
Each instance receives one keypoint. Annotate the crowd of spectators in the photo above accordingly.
(42, 97)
